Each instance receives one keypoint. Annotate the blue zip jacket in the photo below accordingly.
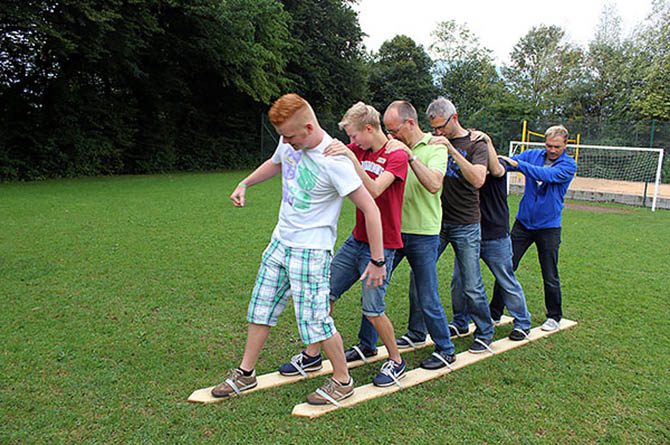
(542, 203)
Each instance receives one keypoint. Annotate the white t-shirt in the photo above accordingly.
(313, 188)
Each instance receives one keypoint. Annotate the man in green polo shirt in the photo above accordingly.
(420, 229)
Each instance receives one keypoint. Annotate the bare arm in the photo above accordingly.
(265, 171)
(375, 186)
(429, 178)
(373, 226)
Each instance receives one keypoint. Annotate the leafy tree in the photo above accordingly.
(453, 41)
(465, 70)
(90, 87)
(652, 94)
(326, 60)
(610, 74)
(401, 70)
(544, 67)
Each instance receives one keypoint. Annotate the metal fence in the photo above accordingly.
(646, 133)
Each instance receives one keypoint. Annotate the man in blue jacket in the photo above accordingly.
(548, 173)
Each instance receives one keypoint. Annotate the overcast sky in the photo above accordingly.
(499, 24)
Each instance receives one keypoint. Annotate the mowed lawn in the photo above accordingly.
(120, 296)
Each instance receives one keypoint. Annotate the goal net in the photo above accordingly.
(617, 170)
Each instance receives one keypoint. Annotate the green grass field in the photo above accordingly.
(120, 296)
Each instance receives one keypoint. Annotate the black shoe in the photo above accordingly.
(352, 353)
(455, 331)
(519, 334)
(405, 342)
(496, 318)
(478, 346)
(434, 362)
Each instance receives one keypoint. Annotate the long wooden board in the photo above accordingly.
(275, 379)
(419, 375)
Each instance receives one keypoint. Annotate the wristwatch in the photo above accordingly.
(378, 263)
(412, 159)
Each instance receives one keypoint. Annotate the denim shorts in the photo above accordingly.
(349, 263)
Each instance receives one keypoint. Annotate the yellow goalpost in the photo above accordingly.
(526, 134)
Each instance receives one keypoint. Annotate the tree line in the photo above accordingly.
(92, 87)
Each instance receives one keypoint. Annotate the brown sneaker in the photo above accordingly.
(234, 384)
(331, 392)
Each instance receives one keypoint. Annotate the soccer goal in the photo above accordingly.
(608, 170)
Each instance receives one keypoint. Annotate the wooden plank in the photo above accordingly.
(275, 379)
(420, 375)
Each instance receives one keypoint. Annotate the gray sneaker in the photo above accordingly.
(234, 384)
(331, 392)
(550, 325)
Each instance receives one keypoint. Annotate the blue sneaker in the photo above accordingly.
(390, 373)
(300, 364)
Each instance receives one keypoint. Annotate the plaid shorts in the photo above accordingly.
(301, 273)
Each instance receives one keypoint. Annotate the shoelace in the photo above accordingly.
(329, 386)
(387, 370)
(296, 361)
(231, 381)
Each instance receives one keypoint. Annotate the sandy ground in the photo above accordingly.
(606, 186)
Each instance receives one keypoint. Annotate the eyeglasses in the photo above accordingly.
(441, 127)
(394, 132)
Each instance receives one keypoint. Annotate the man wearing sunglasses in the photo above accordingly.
(548, 173)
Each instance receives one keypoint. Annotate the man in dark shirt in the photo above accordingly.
(466, 173)
(496, 244)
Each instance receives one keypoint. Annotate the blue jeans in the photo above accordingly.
(497, 254)
(547, 242)
(421, 253)
(471, 299)
(349, 263)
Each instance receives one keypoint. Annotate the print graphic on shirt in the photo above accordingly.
(370, 166)
(291, 163)
(453, 170)
(308, 173)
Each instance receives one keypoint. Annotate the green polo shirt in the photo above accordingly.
(422, 210)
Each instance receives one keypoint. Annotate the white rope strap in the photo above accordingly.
(458, 333)
(443, 360)
(358, 350)
(296, 361)
(483, 343)
(408, 340)
(526, 336)
(233, 385)
(327, 397)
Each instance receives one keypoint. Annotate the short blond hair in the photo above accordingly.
(360, 115)
(285, 107)
(557, 131)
